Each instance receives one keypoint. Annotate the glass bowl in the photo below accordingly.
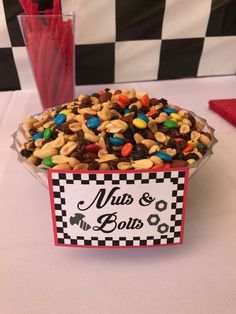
(19, 137)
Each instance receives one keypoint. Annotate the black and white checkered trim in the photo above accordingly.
(136, 41)
(174, 236)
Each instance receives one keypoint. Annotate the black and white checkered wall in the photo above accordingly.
(131, 40)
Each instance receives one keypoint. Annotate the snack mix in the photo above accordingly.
(117, 130)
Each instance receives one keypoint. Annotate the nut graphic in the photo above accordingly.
(161, 205)
(163, 228)
(153, 220)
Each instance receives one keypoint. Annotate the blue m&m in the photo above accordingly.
(116, 141)
(93, 122)
(164, 156)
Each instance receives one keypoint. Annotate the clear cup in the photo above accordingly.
(49, 40)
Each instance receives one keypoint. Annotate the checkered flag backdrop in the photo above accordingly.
(135, 40)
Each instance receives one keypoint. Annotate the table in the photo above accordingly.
(199, 277)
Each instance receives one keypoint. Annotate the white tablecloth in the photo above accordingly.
(198, 277)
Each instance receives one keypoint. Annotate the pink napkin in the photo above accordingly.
(226, 108)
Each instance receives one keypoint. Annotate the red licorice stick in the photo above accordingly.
(24, 5)
(48, 14)
(56, 12)
(40, 76)
(65, 75)
(58, 64)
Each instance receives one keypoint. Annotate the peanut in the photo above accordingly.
(184, 129)
(204, 139)
(142, 164)
(138, 138)
(81, 166)
(68, 148)
(124, 165)
(156, 160)
(43, 153)
(64, 166)
(60, 159)
(160, 137)
(104, 166)
(91, 137)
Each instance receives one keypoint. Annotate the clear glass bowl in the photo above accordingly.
(19, 138)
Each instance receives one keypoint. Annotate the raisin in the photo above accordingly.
(164, 129)
(85, 102)
(93, 165)
(95, 95)
(105, 97)
(118, 108)
(191, 156)
(133, 100)
(163, 101)
(154, 102)
(37, 162)
(26, 153)
(32, 131)
(87, 116)
(75, 110)
(192, 119)
(171, 143)
(181, 145)
(179, 155)
(202, 148)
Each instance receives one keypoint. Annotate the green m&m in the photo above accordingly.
(47, 133)
(170, 124)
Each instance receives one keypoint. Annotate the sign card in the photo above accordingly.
(118, 209)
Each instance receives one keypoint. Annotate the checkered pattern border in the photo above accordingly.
(136, 40)
(177, 178)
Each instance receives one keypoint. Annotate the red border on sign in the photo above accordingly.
(50, 186)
